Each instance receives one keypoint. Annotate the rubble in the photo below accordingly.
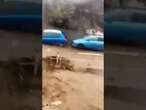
(58, 62)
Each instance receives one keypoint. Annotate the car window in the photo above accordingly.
(91, 38)
(49, 34)
(95, 39)
(100, 39)
(87, 38)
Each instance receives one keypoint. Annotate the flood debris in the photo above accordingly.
(58, 62)
(56, 103)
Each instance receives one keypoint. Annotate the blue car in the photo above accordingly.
(126, 26)
(21, 15)
(89, 42)
(54, 37)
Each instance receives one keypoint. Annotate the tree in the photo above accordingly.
(62, 8)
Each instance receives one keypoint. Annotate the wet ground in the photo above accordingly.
(78, 89)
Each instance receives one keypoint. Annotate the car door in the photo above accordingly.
(60, 39)
(89, 43)
(51, 38)
(94, 44)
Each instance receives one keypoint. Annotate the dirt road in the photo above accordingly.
(77, 89)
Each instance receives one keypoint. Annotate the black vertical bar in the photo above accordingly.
(20, 57)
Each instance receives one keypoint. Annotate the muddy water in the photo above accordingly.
(72, 89)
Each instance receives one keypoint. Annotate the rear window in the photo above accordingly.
(49, 34)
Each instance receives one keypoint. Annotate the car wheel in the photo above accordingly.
(81, 46)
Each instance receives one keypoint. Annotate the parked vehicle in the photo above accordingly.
(21, 15)
(54, 37)
(126, 26)
(89, 42)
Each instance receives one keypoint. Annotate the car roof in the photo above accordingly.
(52, 31)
